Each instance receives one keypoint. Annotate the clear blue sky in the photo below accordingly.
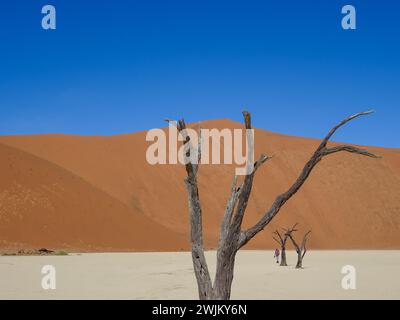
(121, 66)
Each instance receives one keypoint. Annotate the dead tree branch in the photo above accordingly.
(321, 152)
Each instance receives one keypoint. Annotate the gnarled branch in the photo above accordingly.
(321, 152)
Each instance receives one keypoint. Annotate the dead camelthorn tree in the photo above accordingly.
(232, 237)
(300, 250)
(281, 240)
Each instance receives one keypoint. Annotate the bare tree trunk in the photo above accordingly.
(199, 260)
(299, 264)
(283, 257)
(232, 238)
(196, 227)
(224, 274)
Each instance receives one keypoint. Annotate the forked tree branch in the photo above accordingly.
(320, 152)
(290, 230)
(278, 241)
(279, 236)
(300, 249)
(246, 187)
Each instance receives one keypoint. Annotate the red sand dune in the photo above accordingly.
(44, 205)
(107, 197)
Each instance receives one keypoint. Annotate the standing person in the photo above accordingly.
(276, 255)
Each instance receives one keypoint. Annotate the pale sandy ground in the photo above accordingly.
(170, 276)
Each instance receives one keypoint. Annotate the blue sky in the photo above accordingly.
(119, 66)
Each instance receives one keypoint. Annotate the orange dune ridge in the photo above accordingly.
(92, 193)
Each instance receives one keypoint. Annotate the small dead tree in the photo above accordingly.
(232, 237)
(300, 250)
(281, 240)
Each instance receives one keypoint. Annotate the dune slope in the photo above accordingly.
(349, 201)
(44, 205)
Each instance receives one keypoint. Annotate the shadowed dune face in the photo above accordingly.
(349, 201)
(44, 205)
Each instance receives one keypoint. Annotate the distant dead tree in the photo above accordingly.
(232, 237)
(281, 240)
(300, 250)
